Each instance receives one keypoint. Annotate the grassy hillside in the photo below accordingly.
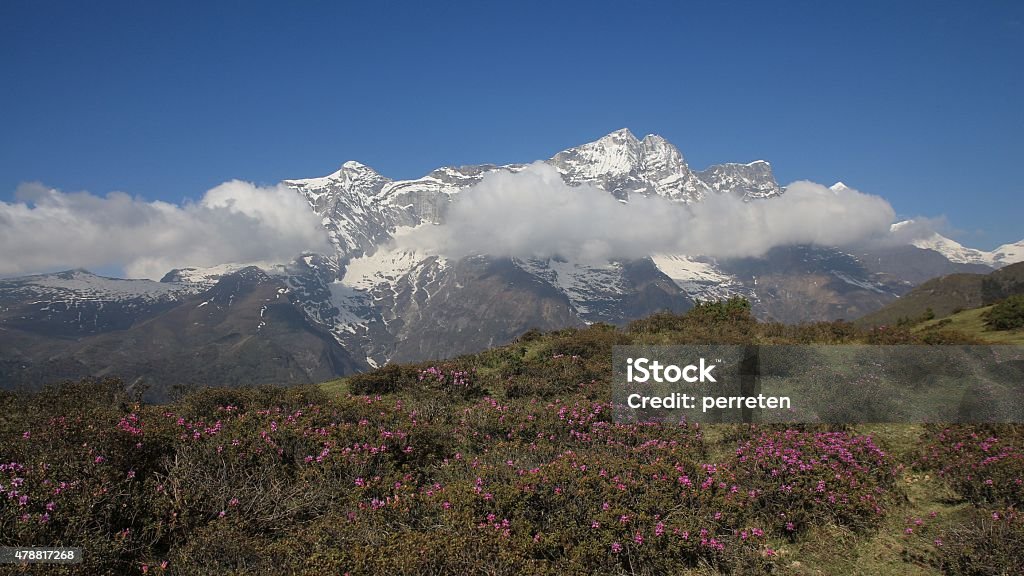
(503, 462)
(972, 322)
(941, 296)
(946, 295)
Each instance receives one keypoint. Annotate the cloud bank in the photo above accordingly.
(46, 229)
(534, 214)
(529, 214)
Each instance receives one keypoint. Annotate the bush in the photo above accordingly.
(891, 335)
(592, 342)
(530, 335)
(385, 380)
(803, 479)
(720, 322)
(981, 465)
(421, 471)
(1006, 315)
(987, 543)
(735, 309)
(835, 332)
(451, 379)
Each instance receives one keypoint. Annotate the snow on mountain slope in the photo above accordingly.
(351, 204)
(753, 180)
(382, 303)
(623, 165)
(590, 288)
(77, 303)
(614, 155)
(84, 285)
(380, 268)
(953, 250)
(1009, 254)
(203, 278)
(700, 278)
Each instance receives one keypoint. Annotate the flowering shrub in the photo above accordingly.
(504, 462)
(451, 380)
(397, 483)
(561, 374)
(806, 478)
(982, 463)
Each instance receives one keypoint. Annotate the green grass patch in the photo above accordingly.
(335, 388)
(972, 322)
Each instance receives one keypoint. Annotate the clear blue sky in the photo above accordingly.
(919, 102)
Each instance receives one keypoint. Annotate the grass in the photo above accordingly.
(335, 388)
(973, 322)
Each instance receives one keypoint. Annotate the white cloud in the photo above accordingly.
(46, 229)
(533, 213)
(919, 228)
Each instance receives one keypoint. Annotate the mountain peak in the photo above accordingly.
(751, 180)
(353, 177)
(620, 135)
(72, 274)
(353, 167)
(613, 155)
(655, 140)
(348, 170)
(1009, 253)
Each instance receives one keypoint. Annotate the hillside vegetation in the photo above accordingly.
(973, 323)
(947, 295)
(503, 462)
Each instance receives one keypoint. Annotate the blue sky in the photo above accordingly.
(921, 103)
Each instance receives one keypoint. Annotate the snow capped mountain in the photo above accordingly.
(76, 303)
(374, 300)
(953, 250)
(753, 180)
(362, 209)
(350, 203)
(198, 279)
(378, 288)
(1008, 254)
(956, 252)
(623, 165)
(84, 285)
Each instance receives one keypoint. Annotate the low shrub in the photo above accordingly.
(385, 380)
(1007, 314)
(981, 465)
(803, 479)
(592, 342)
(988, 543)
